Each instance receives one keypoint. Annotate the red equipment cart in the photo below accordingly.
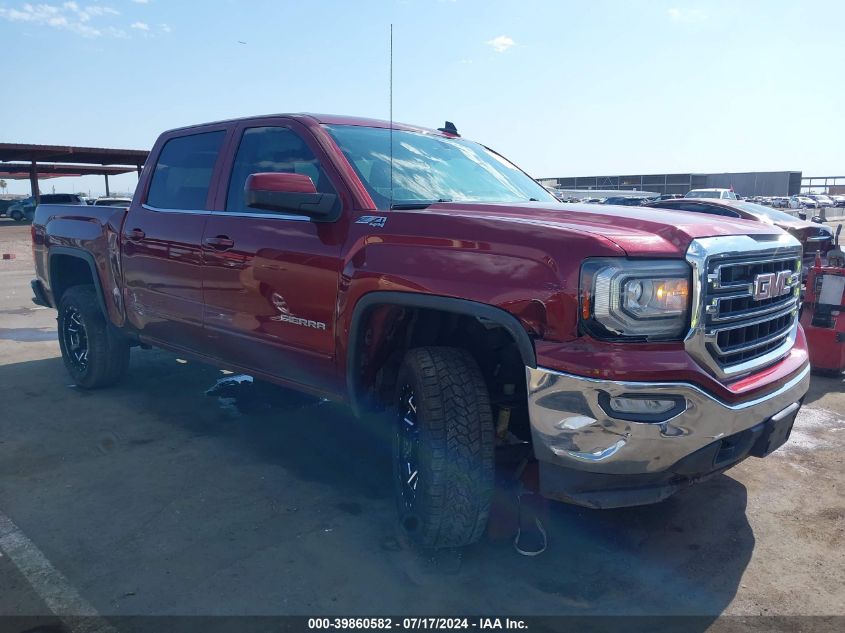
(823, 312)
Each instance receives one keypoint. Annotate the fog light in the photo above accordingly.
(648, 408)
(641, 405)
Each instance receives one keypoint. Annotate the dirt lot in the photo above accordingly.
(155, 497)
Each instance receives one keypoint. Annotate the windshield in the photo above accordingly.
(765, 212)
(428, 168)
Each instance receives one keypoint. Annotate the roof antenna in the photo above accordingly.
(449, 128)
(391, 116)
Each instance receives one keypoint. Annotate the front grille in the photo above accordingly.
(739, 326)
(742, 273)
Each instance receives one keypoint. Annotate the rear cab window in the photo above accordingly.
(183, 171)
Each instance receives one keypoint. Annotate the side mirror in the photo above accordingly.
(294, 193)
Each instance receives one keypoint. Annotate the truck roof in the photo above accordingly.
(309, 118)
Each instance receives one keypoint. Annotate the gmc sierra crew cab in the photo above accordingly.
(426, 281)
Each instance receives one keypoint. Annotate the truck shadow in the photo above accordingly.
(685, 556)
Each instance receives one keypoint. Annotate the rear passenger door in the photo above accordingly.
(271, 278)
(161, 240)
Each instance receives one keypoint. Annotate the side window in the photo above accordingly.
(183, 172)
(272, 149)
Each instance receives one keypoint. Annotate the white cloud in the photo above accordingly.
(501, 43)
(90, 21)
(69, 16)
(687, 15)
(141, 1)
(141, 26)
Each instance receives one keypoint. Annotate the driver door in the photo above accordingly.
(271, 279)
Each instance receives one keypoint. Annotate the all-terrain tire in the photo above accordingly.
(454, 437)
(106, 352)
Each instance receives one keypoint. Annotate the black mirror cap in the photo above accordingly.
(320, 207)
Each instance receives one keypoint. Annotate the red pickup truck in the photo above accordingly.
(414, 273)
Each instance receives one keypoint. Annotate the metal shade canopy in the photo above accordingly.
(19, 161)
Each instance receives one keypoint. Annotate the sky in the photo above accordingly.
(561, 88)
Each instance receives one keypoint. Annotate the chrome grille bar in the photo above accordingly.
(735, 328)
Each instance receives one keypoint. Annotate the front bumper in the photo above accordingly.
(583, 449)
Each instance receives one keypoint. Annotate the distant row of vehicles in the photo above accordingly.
(799, 201)
(814, 236)
(24, 209)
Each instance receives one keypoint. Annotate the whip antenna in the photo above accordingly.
(391, 116)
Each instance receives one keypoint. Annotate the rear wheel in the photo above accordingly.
(94, 353)
(443, 448)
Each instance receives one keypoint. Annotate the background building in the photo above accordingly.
(752, 183)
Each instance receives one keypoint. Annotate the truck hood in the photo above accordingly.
(639, 231)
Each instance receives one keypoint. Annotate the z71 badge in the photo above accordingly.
(377, 221)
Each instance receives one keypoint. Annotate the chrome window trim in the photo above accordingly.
(708, 250)
(271, 215)
(150, 207)
(274, 216)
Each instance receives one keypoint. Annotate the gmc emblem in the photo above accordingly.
(771, 285)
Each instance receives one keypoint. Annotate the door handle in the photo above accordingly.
(220, 242)
(136, 235)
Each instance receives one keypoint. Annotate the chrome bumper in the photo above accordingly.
(571, 429)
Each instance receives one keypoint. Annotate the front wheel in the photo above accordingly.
(443, 450)
(94, 353)
(17, 216)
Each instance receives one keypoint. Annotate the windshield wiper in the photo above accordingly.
(416, 204)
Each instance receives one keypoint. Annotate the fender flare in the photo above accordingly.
(453, 305)
(88, 258)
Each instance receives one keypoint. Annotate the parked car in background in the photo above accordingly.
(112, 202)
(721, 194)
(25, 209)
(838, 201)
(780, 202)
(62, 198)
(21, 210)
(813, 237)
(821, 199)
(802, 202)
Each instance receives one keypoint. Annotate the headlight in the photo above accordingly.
(623, 298)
